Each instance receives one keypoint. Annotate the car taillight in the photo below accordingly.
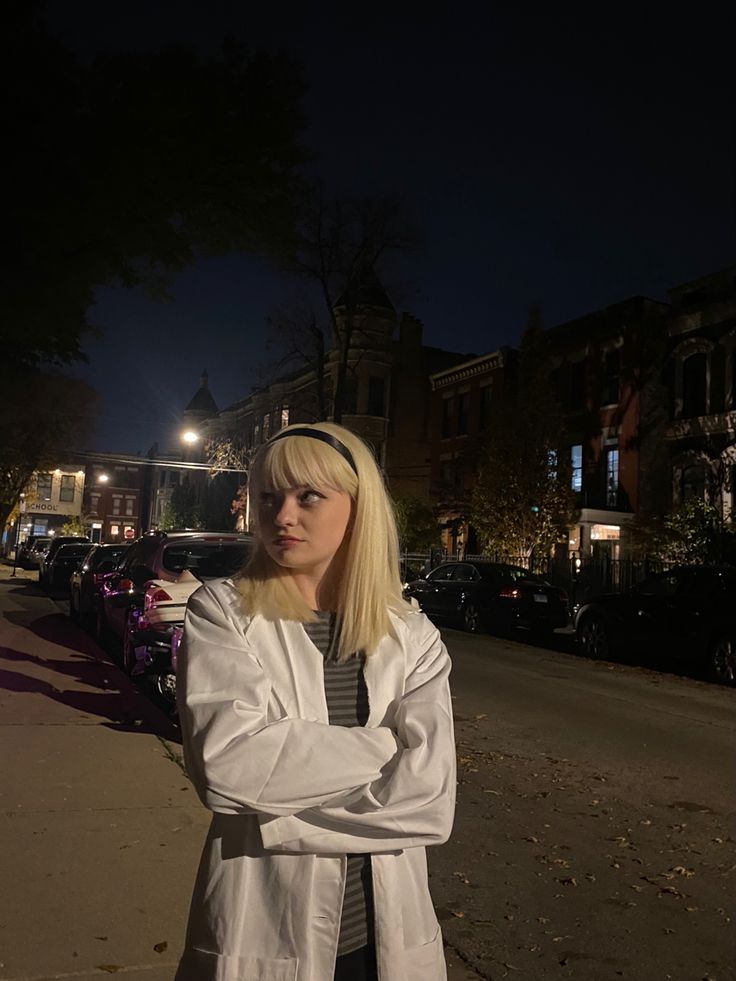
(510, 592)
(156, 597)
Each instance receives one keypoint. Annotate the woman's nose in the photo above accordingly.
(286, 514)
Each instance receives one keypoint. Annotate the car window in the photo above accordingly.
(206, 560)
(464, 573)
(442, 573)
(71, 551)
(108, 553)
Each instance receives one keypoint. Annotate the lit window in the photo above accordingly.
(266, 425)
(129, 505)
(43, 486)
(612, 478)
(576, 464)
(66, 493)
(284, 416)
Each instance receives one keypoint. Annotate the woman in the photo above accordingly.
(317, 725)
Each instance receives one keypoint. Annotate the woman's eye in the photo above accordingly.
(311, 497)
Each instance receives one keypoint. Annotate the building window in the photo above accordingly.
(577, 385)
(266, 425)
(129, 506)
(611, 478)
(576, 466)
(376, 395)
(116, 501)
(43, 486)
(485, 406)
(94, 501)
(66, 493)
(463, 403)
(284, 416)
(256, 434)
(694, 385)
(611, 378)
(447, 413)
(692, 482)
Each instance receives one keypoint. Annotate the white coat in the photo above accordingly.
(292, 795)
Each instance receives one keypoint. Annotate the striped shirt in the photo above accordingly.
(347, 705)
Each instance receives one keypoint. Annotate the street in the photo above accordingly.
(594, 835)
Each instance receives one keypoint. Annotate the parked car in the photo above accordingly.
(88, 577)
(30, 552)
(63, 563)
(54, 547)
(146, 596)
(687, 613)
(493, 595)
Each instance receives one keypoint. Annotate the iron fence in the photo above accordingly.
(580, 577)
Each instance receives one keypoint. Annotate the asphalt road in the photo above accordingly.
(595, 827)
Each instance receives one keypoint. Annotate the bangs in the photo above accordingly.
(300, 460)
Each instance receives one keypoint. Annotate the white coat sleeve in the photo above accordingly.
(237, 760)
(413, 802)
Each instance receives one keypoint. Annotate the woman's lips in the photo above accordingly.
(287, 542)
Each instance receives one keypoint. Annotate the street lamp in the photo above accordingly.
(103, 478)
(190, 436)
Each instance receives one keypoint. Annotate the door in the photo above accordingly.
(431, 592)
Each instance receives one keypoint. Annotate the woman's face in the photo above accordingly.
(303, 527)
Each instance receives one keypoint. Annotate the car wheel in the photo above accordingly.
(594, 638)
(722, 660)
(471, 618)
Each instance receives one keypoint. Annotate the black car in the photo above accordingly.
(492, 595)
(687, 614)
(30, 552)
(86, 580)
(63, 563)
(53, 548)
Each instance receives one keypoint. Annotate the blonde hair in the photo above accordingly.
(370, 585)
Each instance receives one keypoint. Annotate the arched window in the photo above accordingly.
(692, 482)
(694, 385)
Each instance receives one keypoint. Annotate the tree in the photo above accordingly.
(522, 503)
(76, 525)
(694, 533)
(184, 508)
(416, 524)
(45, 416)
(343, 245)
(124, 170)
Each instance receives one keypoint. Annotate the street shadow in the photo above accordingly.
(116, 699)
(57, 629)
(565, 642)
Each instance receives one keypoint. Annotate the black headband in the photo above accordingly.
(332, 441)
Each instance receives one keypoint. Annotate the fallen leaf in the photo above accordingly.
(160, 948)
(569, 881)
(458, 913)
(110, 968)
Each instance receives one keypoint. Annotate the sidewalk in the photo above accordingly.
(100, 827)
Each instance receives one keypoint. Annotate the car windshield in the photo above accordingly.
(206, 560)
(108, 554)
(72, 551)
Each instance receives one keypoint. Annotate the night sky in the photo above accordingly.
(551, 159)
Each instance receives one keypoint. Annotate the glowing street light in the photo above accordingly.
(190, 436)
(103, 478)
